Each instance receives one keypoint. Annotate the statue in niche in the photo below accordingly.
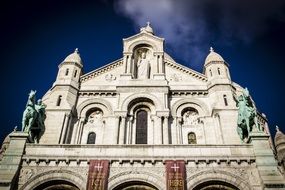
(95, 117)
(190, 118)
(143, 65)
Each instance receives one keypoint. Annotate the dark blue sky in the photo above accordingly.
(37, 35)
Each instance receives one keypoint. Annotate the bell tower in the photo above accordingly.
(61, 99)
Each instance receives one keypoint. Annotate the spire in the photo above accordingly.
(277, 129)
(212, 49)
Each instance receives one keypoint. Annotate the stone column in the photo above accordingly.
(265, 161)
(10, 163)
(165, 131)
(160, 64)
(80, 130)
(157, 130)
(125, 63)
(122, 130)
(116, 130)
(129, 61)
(64, 130)
(129, 130)
(179, 131)
(174, 131)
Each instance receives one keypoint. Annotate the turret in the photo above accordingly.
(70, 70)
(215, 67)
(61, 99)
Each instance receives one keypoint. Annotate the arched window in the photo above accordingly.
(66, 72)
(225, 100)
(75, 73)
(141, 125)
(211, 74)
(59, 100)
(219, 71)
(192, 138)
(91, 138)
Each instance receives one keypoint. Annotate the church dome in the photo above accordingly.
(147, 29)
(213, 57)
(73, 58)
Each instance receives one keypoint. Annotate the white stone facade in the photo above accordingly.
(189, 116)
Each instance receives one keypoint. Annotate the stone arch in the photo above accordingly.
(141, 42)
(129, 176)
(157, 103)
(217, 175)
(102, 104)
(64, 175)
(200, 106)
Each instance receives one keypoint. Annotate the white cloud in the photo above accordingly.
(191, 26)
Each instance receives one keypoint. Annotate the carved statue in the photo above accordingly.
(95, 117)
(33, 118)
(190, 118)
(143, 66)
(247, 115)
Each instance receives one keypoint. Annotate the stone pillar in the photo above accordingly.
(165, 131)
(160, 65)
(116, 130)
(179, 131)
(125, 63)
(157, 130)
(265, 161)
(129, 61)
(174, 131)
(122, 130)
(64, 130)
(79, 131)
(10, 164)
(129, 130)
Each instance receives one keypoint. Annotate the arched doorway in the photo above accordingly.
(215, 185)
(135, 185)
(57, 185)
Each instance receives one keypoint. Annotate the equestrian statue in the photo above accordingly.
(247, 116)
(33, 118)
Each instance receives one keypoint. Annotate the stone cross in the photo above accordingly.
(175, 167)
(98, 167)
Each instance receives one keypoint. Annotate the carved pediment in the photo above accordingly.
(176, 73)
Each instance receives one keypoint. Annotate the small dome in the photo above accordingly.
(147, 29)
(213, 57)
(73, 58)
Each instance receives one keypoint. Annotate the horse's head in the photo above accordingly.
(32, 98)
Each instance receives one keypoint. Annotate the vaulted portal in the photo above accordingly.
(135, 185)
(215, 185)
(57, 185)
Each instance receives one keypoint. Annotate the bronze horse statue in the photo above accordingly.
(247, 115)
(33, 118)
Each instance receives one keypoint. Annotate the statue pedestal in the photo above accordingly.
(265, 161)
(11, 161)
